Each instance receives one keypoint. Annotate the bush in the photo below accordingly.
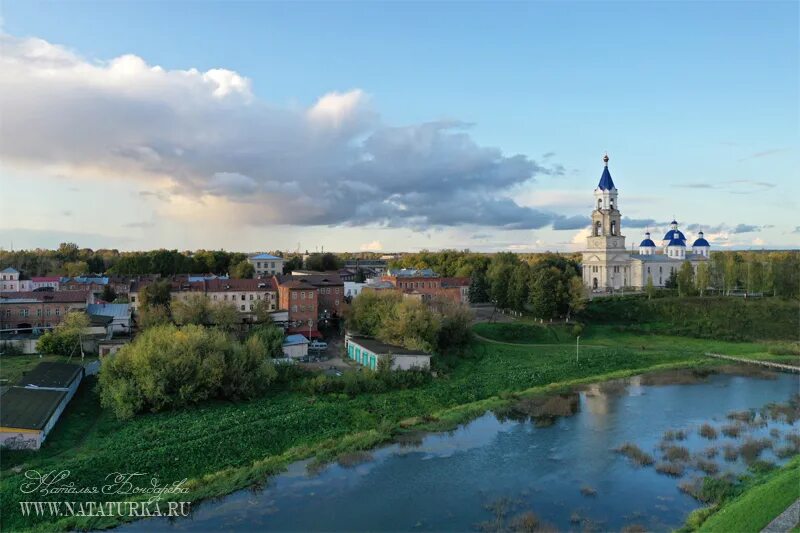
(168, 367)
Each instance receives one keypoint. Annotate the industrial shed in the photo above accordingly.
(368, 352)
(32, 407)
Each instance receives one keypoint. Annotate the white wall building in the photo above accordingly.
(608, 265)
(266, 264)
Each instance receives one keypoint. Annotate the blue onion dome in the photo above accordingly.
(647, 242)
(677, 242)
(701, 241)
(674, 234)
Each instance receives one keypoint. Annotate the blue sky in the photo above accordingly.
(696, 103)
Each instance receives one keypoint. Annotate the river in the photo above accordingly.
(497, 468)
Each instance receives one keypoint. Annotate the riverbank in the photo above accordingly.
(766, 497)
(220, 447)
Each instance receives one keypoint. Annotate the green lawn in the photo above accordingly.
(222, 446)
(759, 505)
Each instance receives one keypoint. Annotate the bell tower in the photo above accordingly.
(605, 262)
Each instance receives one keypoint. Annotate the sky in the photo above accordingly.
(395, 126)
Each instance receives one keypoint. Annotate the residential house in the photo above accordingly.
(45, 283)
(243, 294)
(39, 309)
(120, 315)
(300, 298)
(9, 280)
(266, 264)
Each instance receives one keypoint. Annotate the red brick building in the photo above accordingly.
(40, 309)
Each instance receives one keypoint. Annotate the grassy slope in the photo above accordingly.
(759, 505)
(221, 446)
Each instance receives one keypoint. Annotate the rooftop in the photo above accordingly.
(294, 339)
(268, 257)
(381, 348)
(606, 183)
(29, 408)
(9, 270)
(44, 297)
(112, 310)
(56, 375)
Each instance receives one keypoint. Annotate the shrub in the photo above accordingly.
(670, 469)
(708, 467)
(730, 453)
(635, 454)
(751, 449)
(761, 467)
(707, 431)
(168, 367)
(676, 453)
(732, 430)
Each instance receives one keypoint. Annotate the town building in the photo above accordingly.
(266, 264)
(120, 315)
(243, 294)
(374, 266)
(24, 311)
(369, 353)
(300, 298)
(9, 280)
(32, 407)
(295, 346)
(608, 265)
(45, 283)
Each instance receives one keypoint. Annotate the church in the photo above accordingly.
(608, 265)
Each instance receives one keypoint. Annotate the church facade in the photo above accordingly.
(609, 265)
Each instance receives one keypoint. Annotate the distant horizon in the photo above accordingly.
(134, 126)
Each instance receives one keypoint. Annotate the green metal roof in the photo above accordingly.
(29, 408)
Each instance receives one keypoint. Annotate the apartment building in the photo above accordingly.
(40, 309)
(266, 264)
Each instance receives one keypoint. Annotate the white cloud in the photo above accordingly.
(204, 138)
(373, 246)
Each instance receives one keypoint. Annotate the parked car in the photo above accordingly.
(318, 345)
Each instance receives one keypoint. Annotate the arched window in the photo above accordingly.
(612, 203)
(613, 227)
(597, 228)
(599, 203)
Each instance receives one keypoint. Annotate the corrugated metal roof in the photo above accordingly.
(29, 408)
(112, 310)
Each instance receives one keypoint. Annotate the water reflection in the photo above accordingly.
(549, 461)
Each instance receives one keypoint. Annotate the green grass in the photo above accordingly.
(758, 505)
(222, 446)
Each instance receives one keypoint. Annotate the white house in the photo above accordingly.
(266, 264)
(295, 346)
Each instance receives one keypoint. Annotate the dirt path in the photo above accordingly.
(546, 345)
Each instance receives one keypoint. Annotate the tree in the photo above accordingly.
(478, 287)
(360, 276)
(195, 308)
(224, 316)
(293, 263)
(544, 295)
(152, 315)
(155, 294)
(577, 296)
(243, 270)
(323, 262)
(650, 288)
(262, 312)
(498, 274)
(108, 294)
(703, 277)
(672, 280)
(67, 251)
(167, 367)
(685, 279)
(411, 324)
(65, 338)
(517, 295)
(270, 337)
(76, 268)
